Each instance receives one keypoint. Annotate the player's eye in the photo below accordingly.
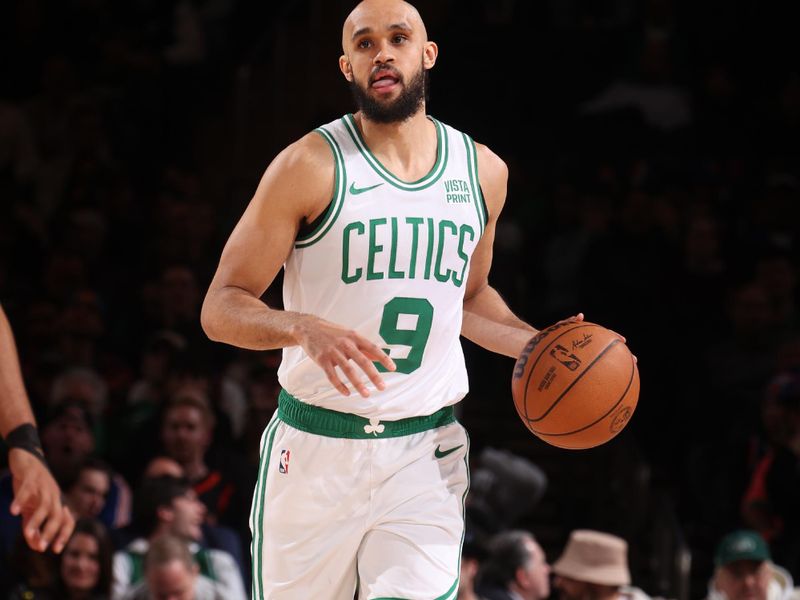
(364, 44)
(399, 39)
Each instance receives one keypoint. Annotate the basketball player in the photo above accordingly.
(383, 221)
(46, 521)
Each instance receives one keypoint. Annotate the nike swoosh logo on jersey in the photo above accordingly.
(439, 453)
(357, 190)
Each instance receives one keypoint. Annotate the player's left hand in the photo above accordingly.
(579, 317)
(574, 319)
(46, 522)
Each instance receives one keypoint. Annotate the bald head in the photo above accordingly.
(387, 13)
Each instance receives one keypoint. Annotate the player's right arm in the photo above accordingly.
(295, 189)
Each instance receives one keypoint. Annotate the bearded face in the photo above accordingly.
(397, 110)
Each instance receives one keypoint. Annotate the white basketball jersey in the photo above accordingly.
(389, 259)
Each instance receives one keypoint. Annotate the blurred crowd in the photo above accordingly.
(654, 187)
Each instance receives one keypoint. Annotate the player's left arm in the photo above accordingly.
(488, 320)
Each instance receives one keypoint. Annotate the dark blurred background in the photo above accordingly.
(653, 154)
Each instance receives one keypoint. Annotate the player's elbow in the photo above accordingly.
(209, 318)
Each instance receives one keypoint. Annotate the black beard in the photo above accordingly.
(404, 107)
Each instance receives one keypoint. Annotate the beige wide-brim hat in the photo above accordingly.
(594, 557)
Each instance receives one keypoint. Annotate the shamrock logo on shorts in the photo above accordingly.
(374, 427)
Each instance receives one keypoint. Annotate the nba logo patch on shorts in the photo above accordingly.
(283, 465)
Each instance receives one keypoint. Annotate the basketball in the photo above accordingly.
(575, 385)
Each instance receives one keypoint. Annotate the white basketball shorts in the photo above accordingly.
(345, 507)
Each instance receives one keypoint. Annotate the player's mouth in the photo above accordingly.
(385, 80)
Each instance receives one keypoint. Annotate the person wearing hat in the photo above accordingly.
(594, 566)
(744, 570)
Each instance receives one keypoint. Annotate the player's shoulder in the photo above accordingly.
(309, 152)
(493, 177)
(489, 162)
(301, 175)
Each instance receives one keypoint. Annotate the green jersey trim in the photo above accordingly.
(433, 175)
(329, 423)
(477, 193)
(335, 206)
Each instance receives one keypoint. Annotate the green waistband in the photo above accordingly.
(321, 421)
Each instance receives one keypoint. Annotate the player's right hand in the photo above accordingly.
(46, 522)
(335, 348)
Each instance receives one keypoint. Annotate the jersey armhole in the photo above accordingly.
(474, 182)
(312, 232)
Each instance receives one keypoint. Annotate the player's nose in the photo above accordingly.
(384, 54)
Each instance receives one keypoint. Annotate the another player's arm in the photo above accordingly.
(488, 320)
(295, 188)
(45, 520)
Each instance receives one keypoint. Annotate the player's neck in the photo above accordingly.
(408, 148)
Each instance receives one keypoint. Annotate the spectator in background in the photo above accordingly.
(158, 358)
(84, 385)
(82, 572)
(473, 553)
(515, 568)
(86, 491)
(771, 501)
(217, 537)
(187, 431)
(68, 439)
(163, 465)
(744, 570)
(137, 420)
(81, 385)
(166, 505)
(594, 565)
(171, 571)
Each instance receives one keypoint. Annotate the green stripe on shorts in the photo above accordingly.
(257, 511)
(322, 421)
(448, 595)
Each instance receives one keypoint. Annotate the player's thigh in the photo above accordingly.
(308, 516)
(413, 550)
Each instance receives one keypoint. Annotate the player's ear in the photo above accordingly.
(345, 68)
(429, 54)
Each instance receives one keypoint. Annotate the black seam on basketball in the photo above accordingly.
(579, 325)
(574, 381)
(612, 409)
